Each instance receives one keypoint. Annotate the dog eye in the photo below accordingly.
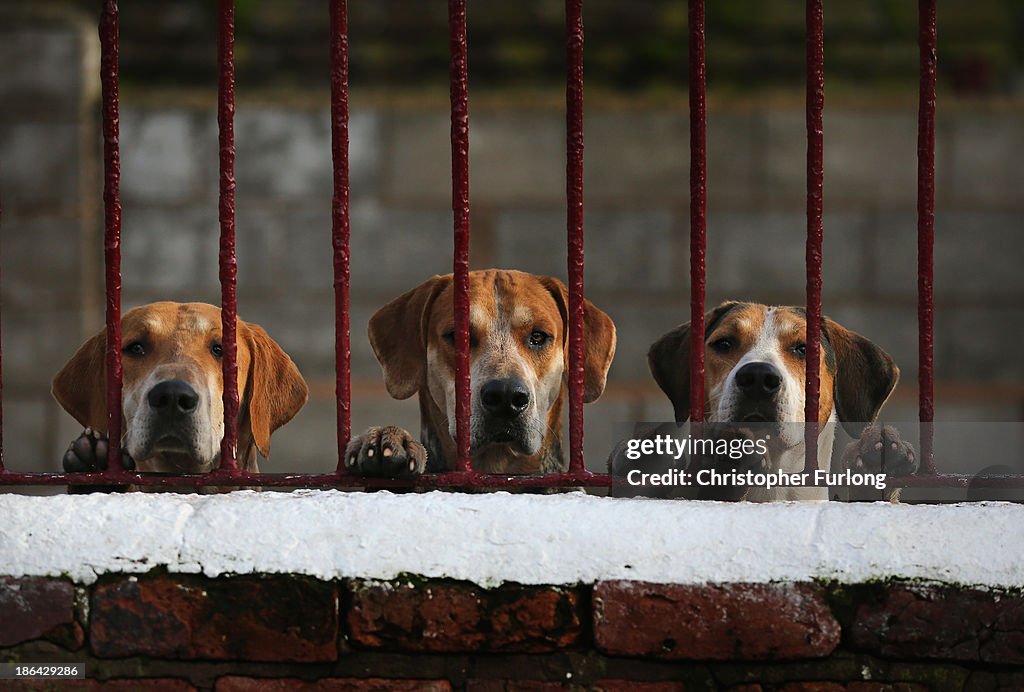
(135, 348)
(800, 349)
(539, 338)
(449, 336)
(723, 345)
(217, 350)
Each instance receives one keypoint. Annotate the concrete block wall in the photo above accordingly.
(636, 221)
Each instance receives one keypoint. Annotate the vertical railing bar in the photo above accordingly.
(228, 264)
(574, 216)
(927, 42)
(815, 176)
(698, 206)
(460, 209)
(112, 224)
(2, 468)
(340, 224)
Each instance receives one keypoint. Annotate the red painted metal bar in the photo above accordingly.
(815, 177)
(454, 479)
(926, 231)
(698, 207)
(112, 223)
(460, 207)
(2, 469)
(340, 224)
(228, 265)
(574, 204)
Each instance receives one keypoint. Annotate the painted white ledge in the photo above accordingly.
(494, 538)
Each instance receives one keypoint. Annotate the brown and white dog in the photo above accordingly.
(518, 360)
(173, 408)
(755, 373)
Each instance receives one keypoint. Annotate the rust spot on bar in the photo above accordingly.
(340, 224)
(228, 265)
(574, 201)
(815, 176)
(112, 222)
(460, 207)
(927, 41)
(698, 207)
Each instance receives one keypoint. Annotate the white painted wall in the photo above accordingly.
(498, 537)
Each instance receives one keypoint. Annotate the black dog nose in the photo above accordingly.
(173, 398)
(505, 398)
(759, 380)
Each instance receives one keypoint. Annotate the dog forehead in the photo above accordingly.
(170, 320)
(501, 298)
(749, 319)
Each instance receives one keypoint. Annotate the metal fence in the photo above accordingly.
(464, 476)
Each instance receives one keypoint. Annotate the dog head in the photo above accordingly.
(518, 354)
(172, 398)
(755, 369)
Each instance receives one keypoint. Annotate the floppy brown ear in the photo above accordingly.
(81, 385)
(599, 339)
(398, 335)
(865, 376)
(669, 360)
(276, 389)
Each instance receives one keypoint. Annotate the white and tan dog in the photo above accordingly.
(518, 361)
(173, 408)
(754, 375)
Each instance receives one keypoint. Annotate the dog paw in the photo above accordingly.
(89, 453)
(385, 451)
(881, 449)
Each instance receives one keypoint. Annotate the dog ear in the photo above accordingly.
(865, 376)
(599, 339)
(398, 335)
(669, 360)
(276, 390)
(81, 385)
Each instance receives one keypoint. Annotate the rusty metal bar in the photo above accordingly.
(454, 479)
(340, 224)
(926, 231)
(228, 265)
(460, 208)
(2, 469)
(574, 209)
(815, 176)
(698, 207)
(112, 224)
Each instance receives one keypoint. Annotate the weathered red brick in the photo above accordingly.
(514, 686)
(444, 616)
(943, 622)
(277, 618)
(31, 607)
(885, 687)
(237, 683)
(713, 622)
(121, 685)
(631, 686)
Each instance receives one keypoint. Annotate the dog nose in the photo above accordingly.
(173, 398)
(505, 398)
(758, 380)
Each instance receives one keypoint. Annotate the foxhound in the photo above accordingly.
(754, 379)
(518, 365)
(173, 408)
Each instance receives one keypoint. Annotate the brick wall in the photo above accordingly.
(166, 631)
(637, 227)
